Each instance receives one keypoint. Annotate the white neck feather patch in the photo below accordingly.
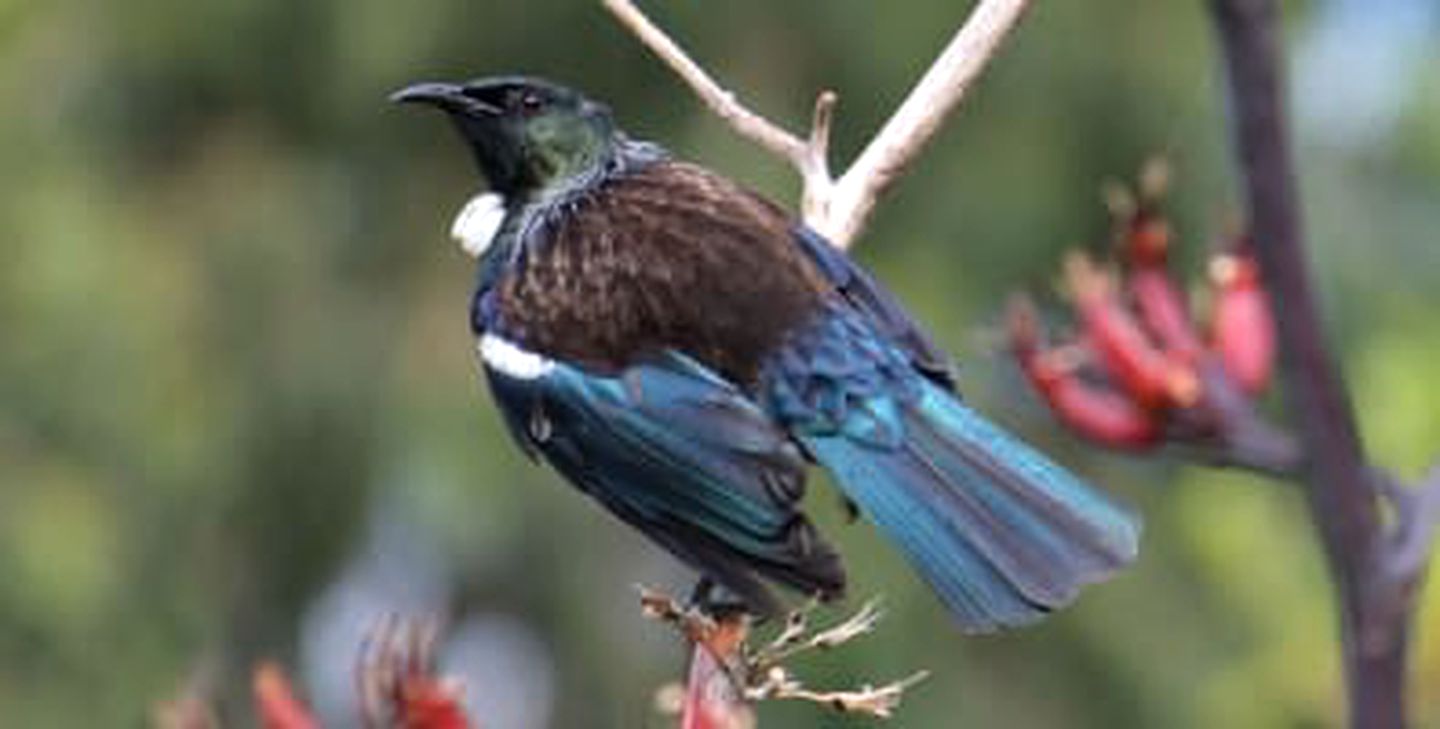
(510, 360)
(478, 222)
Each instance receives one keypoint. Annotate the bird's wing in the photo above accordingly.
(1002, 533)
(877, 304)
(685, 457)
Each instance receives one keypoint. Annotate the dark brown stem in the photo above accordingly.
(1374, 611)
(1231, 433)
(1417, 510)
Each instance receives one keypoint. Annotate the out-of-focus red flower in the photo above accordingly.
(425, 702)
(415, 700)
(1095, 411)
(186, 711)
(1142, 233)
(1131, 376)
(1164, 312)
(1144, 237)
(275, 701)
(1154, 379)
(1242, 326)
(1142, 243)
(399, 687)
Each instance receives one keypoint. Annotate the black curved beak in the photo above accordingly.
(447, 96)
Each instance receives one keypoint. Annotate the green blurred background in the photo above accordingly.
(239, 415)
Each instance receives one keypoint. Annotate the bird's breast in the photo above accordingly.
(657, 263)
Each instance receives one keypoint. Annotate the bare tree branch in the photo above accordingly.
(877, 701)
(839, 208)
(750, 125)
(938, 93)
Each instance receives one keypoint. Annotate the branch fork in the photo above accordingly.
(839, 208)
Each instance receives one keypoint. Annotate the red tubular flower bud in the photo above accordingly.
(1142, 233)
(1143, 243)
(1145, 240)
(275, 702)
(398, 684)
(425, 702)
(1134, 363)
(1095, 412)
(1100, 414)
(1242, 325)
(1164, 311)
(1150, 239)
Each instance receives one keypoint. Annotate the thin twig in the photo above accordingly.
(839, 208)
(876, 701)
(938, 93)
(750, 125)
(793, 638)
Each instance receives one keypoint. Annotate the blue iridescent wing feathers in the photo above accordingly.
(1000, 532)
(686, 458)
(870, 298)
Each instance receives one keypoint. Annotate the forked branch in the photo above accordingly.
(840, 207)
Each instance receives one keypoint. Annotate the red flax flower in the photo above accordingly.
(399, 688)
(275, 703)
(397, 684)
(1241, 330)
(1096, 410)
(1136, 374)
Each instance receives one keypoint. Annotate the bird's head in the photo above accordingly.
(528, 135)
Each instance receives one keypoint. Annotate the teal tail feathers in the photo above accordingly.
(1001, 533)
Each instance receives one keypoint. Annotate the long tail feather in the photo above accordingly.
(1002, 534)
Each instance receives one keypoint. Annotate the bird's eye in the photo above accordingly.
(530, 102)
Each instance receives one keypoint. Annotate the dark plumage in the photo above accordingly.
(667, 256)
(679, 348)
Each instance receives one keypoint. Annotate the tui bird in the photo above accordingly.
(680, 348)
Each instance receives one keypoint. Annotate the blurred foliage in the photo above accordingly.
(235, 343)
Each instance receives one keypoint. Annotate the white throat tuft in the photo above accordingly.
(478, 222)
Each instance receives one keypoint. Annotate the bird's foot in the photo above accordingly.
(711, 599)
